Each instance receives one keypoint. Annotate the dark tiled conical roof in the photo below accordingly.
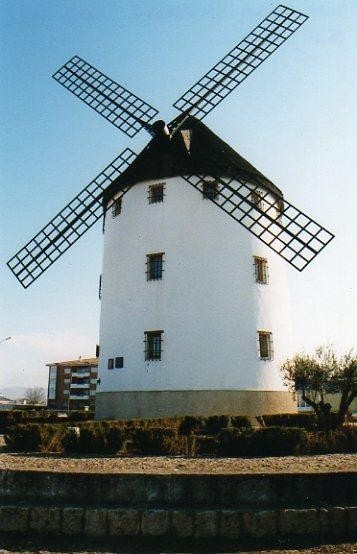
(194, 149)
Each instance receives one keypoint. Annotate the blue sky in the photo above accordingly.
(294, 119)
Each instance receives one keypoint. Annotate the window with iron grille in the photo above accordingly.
(111, 363)
(156, 193)
(256, 198)
(119, 362)
(100, 287)
(116, 207)
(154, 266)
(153, 345)
(265, 341)
(261, 270)
(210, 189)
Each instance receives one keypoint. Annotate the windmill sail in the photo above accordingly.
(119, 106)
(240, 62)
(68, 225)
(288, 231)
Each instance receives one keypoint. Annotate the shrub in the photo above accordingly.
(326, 442)
(307, 421)
(34, 437)
(274, 441)
(206, 446)
(214, 424)
(240, 422)
(94, 438)
(157, 441)
(81, 415)
(230, 442)
(189, 425)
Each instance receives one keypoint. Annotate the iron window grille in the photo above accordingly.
(111, 363)
(100, 287)
(153, 345)
(156, 193)
(256, 197)
(154, 266)
(119, 362)
(265, 343)
(261, 270)
(116, 207)
(210, 189)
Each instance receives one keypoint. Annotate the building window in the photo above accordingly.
(156, 193)
(116, 207)
(261, 270)
(301, 404)
(119, 362)
(153, 342)
(256, 198)
(154, 263)
(111, 363)
(265, 340)
(100, 288)
(210, 189)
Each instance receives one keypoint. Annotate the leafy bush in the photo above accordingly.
(274, 441)
(34, 437)
(95, 438)
(240, 422)
(214, 424)
(327, 442)
(206, 446)
(306, 420)
(230, 442)
(158, 441)
(189, 425)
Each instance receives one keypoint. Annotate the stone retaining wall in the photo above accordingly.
(311, 523)
(247, 507)
(196, 490)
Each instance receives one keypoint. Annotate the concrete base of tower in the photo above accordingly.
(151, 404)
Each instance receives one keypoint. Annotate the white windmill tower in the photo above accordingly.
(195, 314)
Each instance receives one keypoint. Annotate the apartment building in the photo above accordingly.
(72, 384)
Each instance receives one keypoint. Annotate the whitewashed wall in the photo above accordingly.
(207, 303)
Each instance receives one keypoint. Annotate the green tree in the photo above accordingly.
(320, 374)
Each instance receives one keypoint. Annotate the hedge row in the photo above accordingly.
(113, 438)
(13, 417)
(184, 425)
(307, 421)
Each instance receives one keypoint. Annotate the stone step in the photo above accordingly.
(332, 522)
(174, 491)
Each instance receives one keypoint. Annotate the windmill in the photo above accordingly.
(183, 149)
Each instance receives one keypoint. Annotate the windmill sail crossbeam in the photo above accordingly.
(115, 103)
(68, 225)
(284, 228)
(240, 62)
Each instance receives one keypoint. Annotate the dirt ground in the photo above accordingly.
(179, 465)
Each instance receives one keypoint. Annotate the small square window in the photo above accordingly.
(265, 339)
(153, 344)
(156, 193)
(210, 189)
(256, 198)
(119, 362)
(116, 207)
(154, 269)
(261, 270)
(111, 363)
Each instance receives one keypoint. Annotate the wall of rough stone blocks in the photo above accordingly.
(247, 507)
(333, 522)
